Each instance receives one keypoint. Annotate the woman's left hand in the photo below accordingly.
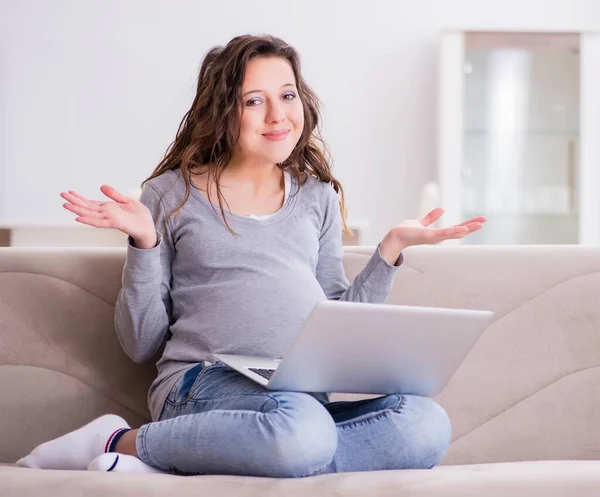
(419, 232)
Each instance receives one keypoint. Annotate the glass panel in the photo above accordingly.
(521, 137)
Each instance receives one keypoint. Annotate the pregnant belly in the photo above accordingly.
(260, 318)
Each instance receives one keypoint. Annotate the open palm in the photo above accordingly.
(420, 232)
(123, 213)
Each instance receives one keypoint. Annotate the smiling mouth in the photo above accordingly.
(277, 135)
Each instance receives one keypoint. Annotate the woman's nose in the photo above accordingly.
(276, 113)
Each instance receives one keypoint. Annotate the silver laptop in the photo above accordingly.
(350, 347)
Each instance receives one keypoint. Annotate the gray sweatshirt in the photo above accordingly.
(202, 290)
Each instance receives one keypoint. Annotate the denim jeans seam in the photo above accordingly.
(235, 395)
(143, 451)
(371, 417)
(271, 397)
(189, 395)
(400, 407)
(201, 374)
(177, 386)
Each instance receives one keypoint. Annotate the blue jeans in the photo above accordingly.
(217, 421)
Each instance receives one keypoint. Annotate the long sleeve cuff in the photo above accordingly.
(143, 264)
(378, 275)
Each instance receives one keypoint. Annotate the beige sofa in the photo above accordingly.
(525, 404)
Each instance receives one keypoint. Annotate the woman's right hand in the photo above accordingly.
(125, 214)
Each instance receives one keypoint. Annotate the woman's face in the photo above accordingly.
(272, 116)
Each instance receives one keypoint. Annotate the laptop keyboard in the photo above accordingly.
(265, 373)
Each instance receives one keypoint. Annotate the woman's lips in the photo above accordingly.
(277, 135)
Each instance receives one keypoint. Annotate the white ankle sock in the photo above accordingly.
(121, 463)
(76, 449)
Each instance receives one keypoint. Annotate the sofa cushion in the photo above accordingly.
(559, 478)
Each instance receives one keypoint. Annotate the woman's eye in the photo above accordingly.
(289, 96)
(253, 101)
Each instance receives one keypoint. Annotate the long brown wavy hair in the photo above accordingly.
(209, 131)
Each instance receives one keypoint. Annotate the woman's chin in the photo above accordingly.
(276, 158)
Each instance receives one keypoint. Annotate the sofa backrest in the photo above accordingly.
(528, 390)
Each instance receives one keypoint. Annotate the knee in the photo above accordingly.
(304, 441)
(430, 432)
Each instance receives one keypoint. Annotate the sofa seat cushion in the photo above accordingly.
(522, 479)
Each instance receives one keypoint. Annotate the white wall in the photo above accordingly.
(92, 91)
